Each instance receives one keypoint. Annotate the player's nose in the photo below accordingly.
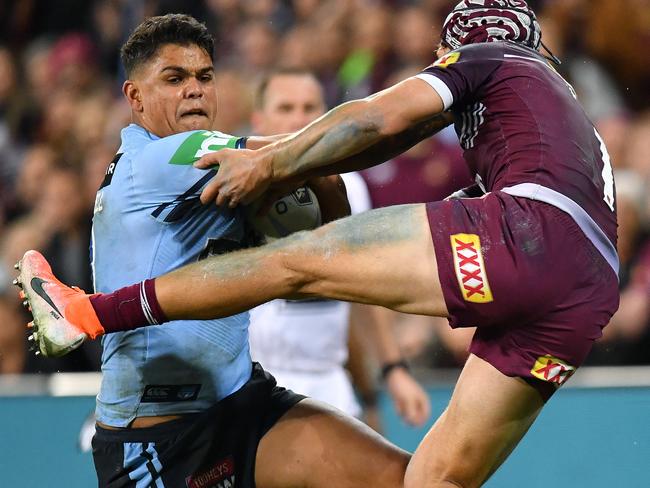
(194, 88)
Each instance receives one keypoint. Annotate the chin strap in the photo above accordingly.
(551, 56)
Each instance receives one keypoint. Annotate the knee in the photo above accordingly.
(440, 482)
(441, 471)
(294, 256)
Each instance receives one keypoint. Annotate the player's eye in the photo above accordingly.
(206, 78)
(174, 80)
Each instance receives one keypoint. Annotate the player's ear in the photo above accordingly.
(133, 95)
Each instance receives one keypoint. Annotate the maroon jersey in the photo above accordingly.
(518, 121)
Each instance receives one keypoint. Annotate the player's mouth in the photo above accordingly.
(195, 112)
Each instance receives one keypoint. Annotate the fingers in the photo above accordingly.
(419, 411)
(239, 179)
(413, 409)
(211, 192)
(209, 160)
(411, 401)
(217, 191)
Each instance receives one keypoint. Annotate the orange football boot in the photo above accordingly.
(63, 316)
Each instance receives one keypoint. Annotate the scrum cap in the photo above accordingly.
(474, 21)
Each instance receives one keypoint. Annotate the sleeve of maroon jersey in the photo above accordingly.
(462, 72)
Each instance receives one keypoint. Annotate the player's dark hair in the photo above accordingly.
(156, 32)
(260, 93)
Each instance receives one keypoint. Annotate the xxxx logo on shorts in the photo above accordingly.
(552, 369)
(470, 269)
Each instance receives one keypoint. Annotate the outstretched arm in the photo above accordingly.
(404, 110)
(373, 124)
(388, 147)
(382, 151)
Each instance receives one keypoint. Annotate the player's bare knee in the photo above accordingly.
(289, 255)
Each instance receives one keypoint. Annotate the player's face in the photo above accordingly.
(175, 91)
(291, 102)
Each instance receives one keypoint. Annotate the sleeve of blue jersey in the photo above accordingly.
(159, 183)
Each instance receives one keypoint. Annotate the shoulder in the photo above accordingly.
(472, 53)
(474, 60)
(186, 147)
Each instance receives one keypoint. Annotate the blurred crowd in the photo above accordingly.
(61, 111)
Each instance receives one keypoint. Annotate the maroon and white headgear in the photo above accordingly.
(474, 21)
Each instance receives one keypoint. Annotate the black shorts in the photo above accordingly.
(210, 449)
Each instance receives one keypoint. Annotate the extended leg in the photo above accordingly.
(384, 257)
(316, 446)
(487, 416)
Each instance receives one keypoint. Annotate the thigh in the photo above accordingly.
(314, 446)
(487, 416)
(507, 261)
(383, 257)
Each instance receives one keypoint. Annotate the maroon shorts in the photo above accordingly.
(528, 278)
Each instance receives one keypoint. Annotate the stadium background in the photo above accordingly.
(61, 111)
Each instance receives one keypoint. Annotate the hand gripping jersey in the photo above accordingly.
(148, 220)
(523, 132)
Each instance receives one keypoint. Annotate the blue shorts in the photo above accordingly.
(216, 447)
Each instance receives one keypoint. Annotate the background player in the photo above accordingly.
(303, 343)
(479, 261)
(183, 405)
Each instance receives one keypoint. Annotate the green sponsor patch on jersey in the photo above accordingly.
(198, 144)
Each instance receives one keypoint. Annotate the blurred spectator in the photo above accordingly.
(256, 49)
(297, 49)
(37, 71)
(12, 107)
(429, 171)
(636, 155)
(367, 66)
(12, 333)
(233, 101)
(563, 30)
(71, 64)
(626, 339)
(415, 37)
(627, 59)
(326, 62)
(107, 35)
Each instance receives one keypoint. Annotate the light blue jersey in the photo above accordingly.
(148, 221)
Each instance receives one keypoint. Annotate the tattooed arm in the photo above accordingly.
(371, 129)
(388, 147)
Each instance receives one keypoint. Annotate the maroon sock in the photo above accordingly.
(129, 307)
